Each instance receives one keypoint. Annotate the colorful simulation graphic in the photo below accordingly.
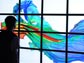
(50, 41)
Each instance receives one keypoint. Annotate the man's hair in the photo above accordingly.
(10, 22)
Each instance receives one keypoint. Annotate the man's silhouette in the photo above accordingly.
(9, 42)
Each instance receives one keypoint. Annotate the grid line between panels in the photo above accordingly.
(44, 14)
(51, 50)
(66, 54)
(74, 33)
(41, 44)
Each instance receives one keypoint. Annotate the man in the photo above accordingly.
(9, 42)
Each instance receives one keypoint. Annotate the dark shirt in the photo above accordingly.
(8, 47)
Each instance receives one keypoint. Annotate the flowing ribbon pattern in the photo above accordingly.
(50, 41)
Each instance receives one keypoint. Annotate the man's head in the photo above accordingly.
(10, 22)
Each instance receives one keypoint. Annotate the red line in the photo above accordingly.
(49, 38)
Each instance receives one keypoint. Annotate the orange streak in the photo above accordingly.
(36, 29)
(49, 38)
(22, 34)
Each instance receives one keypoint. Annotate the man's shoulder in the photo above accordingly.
(7, 33)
